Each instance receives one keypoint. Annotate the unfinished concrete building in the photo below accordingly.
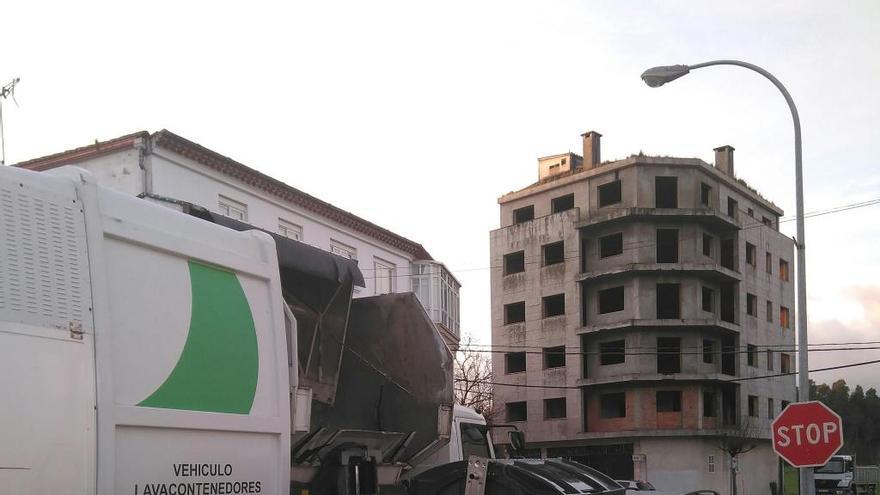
(643, 306)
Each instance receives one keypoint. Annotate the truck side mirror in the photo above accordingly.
(517, 439)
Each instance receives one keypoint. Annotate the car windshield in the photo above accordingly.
(834, 466)
(473, 440)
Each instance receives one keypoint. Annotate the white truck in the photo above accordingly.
(841, 476)
(147, 351)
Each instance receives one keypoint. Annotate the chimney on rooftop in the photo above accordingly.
(592, 155)
(724, 159)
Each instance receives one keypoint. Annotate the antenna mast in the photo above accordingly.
(5, 92)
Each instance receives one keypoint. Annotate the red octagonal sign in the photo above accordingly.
(807, 434)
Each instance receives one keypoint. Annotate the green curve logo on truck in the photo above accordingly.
(217, 370)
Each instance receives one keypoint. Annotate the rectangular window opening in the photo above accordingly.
(611, 245)
(708, 300)
(524, 214)
(732, 208)
(609, 193)
(562, 203)
(613, 405)
(728, 254)
(553, 253)
(554, 357)
(708, 351)
(514, 362)
(751, 304)
(668, 303)
(705, 194)
(666, 192)
(707, 245)
(554, 408)
(669, 401)
(709, 405)
(770, 409)
(769, 312)
(515, 262)
(753, 406)
(784, 318)
(783, 270)
(613, 352)
(750, 254)
(611, 300)
(784, 363)
(553, 305)
(668, 355)
(515, 312)
(751, 355)
(768, 263)
(667, 245)
(769, 359)
(517, 411)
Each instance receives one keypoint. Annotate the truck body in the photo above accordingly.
(841, 476)
(148, 351)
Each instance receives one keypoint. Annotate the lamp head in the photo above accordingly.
(658, 76)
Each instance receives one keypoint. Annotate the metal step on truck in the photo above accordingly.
(841, 476)
(161, 349)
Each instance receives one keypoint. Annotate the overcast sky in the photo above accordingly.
(430, 111)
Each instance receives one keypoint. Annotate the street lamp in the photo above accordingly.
(658, 76)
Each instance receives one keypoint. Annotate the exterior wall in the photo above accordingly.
(181, 178)
(120, 171)
(677, 443)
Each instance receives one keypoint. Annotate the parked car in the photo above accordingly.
(633, 486)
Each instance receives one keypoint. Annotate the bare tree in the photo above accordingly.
(473, 378)
(736, 441)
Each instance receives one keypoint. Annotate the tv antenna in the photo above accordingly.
(7, 91)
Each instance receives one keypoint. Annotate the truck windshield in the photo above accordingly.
(473, 440)
(834, 466)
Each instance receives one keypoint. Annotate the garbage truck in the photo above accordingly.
(162, 349)
(842, 476)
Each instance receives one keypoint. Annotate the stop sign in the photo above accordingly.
(807, 434)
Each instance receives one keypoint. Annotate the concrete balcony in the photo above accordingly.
(706, 216)
(713, 271)
(694, 323)
(639, 378)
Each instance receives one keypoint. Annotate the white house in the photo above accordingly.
(165, 164)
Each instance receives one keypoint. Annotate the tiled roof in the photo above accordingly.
(231, 168)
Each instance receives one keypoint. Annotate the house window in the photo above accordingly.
(343, 250)
(554, 408)
(750, 254)
(562, 203)
(708, 351)
(524, 214)
(705, 194)
(290, 230)
(770, 408)
(514, 362)
(231, 208)
(707, 245)
(751, 355)
(666, 192)
(769, 311)
(784, 317)
(514, 262)
(784, 363)
(783, 270)
(514, 312)
(753, 406)
(751, 304)
(384, 275)
(770, 359)
(669, 401)
(710, 463)
(613, 352)
(768, 263)
(668, 355)
(708, 300)
(553, 253)
(667, 246)
(611, 245)
(709, 407)
(554, 357)
(517, 411)
(553, 305)
(668, 305)
(609, 193)
(766, 221)
(613, 405)
(732, 207)
(611, 300)
(751, 212)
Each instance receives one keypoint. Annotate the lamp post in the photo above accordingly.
(658, 76)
